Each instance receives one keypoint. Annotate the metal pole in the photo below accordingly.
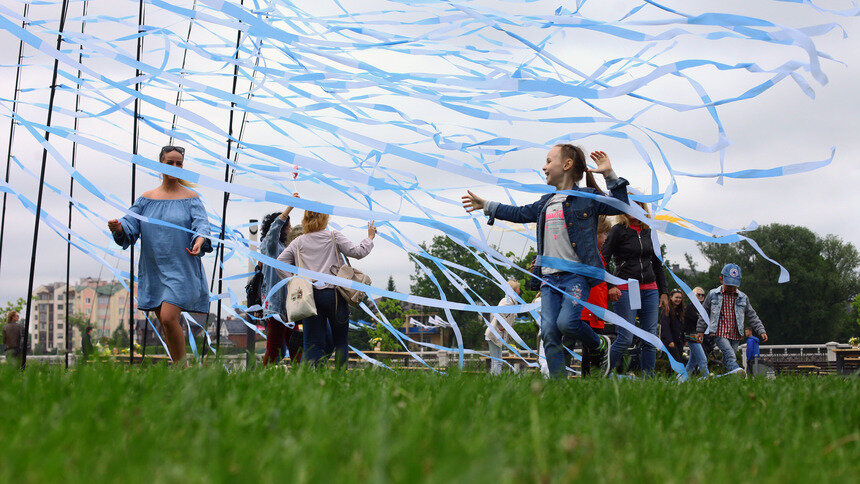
(143, 344)
(135, 135)
(182, 73)
(242, 126)
(72, 188)
(65, 8)
(12, 127)
(226, 194)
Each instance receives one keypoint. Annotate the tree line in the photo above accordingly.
(820, 303)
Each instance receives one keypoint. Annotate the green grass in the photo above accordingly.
(117, 424)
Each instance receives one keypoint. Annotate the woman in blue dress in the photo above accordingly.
(170, 272)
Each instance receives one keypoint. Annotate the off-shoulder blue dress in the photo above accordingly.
(166, 272)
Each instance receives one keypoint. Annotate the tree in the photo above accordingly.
(690, 262)
(13, 306)
(470, 323)
(813, 306)
(391, 287)
(119, 339)
(393, 311)
(693, 277)
(360, 339)
(79, 321)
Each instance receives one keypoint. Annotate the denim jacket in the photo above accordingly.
(272, 246)
(743, 310)
(580, 218)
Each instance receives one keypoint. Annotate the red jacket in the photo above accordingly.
(598, 296)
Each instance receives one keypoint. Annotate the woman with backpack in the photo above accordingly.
(273, 240)
(320, 250)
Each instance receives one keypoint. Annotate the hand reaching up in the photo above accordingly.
(602, 161)
(472, 202)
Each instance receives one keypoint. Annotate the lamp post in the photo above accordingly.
(250, 335)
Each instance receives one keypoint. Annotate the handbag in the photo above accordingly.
(352, 296)
(300, 302)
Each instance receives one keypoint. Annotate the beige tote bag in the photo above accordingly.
(300, 295)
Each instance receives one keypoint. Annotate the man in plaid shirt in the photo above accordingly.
(729, 309)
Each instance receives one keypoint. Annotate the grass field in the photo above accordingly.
(118, 424)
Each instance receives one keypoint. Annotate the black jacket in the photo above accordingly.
(672, 329)
(634, 256)
(86, 345)
(691, 319)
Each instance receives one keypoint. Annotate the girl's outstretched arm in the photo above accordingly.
(512, 213)
(472, 202)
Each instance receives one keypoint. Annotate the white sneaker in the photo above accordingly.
(601, 358)
(740, 372)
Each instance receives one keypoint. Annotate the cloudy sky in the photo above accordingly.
(781, 126)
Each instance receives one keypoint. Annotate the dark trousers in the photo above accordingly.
(333, 314)
(278, 337)
(294, 343)
(587, 356)
(755, 367)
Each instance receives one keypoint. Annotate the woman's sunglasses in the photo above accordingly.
(169, 148)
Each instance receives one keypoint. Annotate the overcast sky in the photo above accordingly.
(781, 126)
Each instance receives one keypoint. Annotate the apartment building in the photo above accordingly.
(47, 330)
(104, 304)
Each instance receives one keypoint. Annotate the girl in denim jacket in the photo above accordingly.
(568, 257)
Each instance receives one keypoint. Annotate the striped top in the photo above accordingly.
(727, 327)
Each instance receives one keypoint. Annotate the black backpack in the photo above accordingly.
(254, 288)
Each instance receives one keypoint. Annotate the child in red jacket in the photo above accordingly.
(598, 295)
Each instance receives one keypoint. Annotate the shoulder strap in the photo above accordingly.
(336, 251)
(299, 262)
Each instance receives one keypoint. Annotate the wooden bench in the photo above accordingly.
(847, 360)
(851, 364)
(808, 369)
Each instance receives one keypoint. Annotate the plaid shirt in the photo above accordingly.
(727, 327)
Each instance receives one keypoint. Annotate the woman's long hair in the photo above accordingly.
(604, 224)
(576, 154)
(10, 316)
(679, 309)
(624, 219)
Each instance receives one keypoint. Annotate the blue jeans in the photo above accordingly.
(647, 321)
(328, 318)
(561, 316)
(729, 349)
(697, 359)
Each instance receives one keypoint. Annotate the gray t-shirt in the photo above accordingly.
(556, 242)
